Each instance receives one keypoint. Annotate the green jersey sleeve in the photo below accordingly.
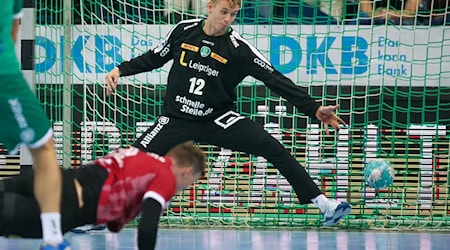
(18, 4)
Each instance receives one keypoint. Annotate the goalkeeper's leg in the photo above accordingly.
(248, 136)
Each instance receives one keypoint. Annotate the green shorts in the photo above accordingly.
(23, 121)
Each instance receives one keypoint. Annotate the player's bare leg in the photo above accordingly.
(47, 189)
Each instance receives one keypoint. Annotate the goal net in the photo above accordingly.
(392, 83)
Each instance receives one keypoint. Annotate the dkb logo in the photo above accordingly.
(346, 56)
(105, 48)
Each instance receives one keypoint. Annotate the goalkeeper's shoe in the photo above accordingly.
(334, 212)
(64, 245)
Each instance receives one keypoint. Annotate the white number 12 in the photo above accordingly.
(197, 85)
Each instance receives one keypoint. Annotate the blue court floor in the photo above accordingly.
(213, 239)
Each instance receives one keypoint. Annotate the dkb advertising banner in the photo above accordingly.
(332, 55)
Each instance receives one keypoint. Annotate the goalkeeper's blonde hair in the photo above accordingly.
(233, 3)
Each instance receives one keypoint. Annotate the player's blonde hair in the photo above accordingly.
(233, 3)
(186, 154)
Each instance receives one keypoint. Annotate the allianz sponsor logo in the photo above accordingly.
(203, 68)
(192, 107)
(162, 120)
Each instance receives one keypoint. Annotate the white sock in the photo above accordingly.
(51, 228)
(320, 201)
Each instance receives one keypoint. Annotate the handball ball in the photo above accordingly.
(379, 174)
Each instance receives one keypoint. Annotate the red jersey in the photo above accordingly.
(133, 176)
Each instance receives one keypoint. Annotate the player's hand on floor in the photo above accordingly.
(328, 117)
(112, 79)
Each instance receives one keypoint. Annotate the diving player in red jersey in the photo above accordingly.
(112, 190)
(209, 60)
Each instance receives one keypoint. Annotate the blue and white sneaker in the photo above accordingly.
(334, 212)
(61, 246)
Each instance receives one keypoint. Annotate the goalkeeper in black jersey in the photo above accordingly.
(209, 60)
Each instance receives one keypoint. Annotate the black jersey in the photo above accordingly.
(207, 69)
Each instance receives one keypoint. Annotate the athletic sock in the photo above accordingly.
(51, 228)
(320, 201)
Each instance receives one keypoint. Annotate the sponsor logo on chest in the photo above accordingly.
(204, 51)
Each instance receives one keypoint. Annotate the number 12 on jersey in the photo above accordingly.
(196, 86)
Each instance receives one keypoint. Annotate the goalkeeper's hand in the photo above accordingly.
(112, 79)
(328, 117)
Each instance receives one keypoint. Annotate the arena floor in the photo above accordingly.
(213, 239)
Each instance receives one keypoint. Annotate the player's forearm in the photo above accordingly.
(142, 63)
(148, 225)
(294, 94)
(146, 240)
(308, 106)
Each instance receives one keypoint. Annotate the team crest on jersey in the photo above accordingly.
(205, 51)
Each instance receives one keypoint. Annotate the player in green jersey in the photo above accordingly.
(25, 123)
